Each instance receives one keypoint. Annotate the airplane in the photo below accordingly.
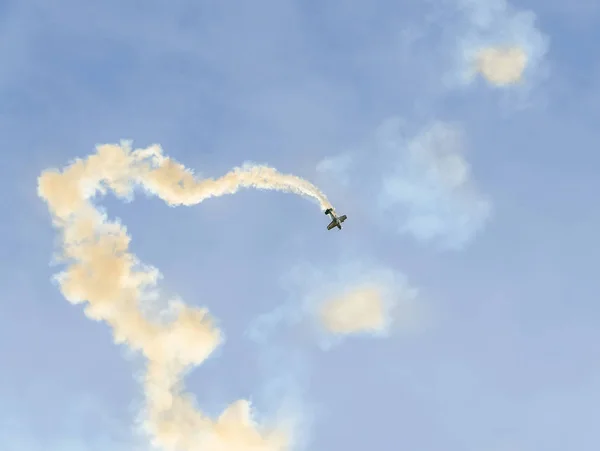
(335, 220)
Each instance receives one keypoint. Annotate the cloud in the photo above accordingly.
(337, 166)
(428, 190)
(117, 288)
(286, 374)
(334, 301)
(498, 41)
(360, 310)
(502, 66)
(86, 425)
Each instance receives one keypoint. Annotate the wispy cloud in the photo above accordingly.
(423, 182)
(499, 42)
(85, 426)
(342, 299)
(337, 166)
(428, 189)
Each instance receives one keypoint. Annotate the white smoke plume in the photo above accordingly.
(113, 284)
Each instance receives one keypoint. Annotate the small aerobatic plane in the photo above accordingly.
(336, 221)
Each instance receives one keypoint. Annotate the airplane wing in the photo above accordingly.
(343, 218)
(331, 225)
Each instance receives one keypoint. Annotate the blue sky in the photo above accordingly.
(475, 204)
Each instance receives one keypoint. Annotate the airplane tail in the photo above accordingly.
(329, 210)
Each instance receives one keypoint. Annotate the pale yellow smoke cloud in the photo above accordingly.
(502, 66)
(360, 310)
(102, 273)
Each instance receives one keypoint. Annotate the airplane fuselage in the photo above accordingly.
(335, 220)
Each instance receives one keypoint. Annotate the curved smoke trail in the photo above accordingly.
(102, 273)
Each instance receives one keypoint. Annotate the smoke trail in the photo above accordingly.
(102, 273)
